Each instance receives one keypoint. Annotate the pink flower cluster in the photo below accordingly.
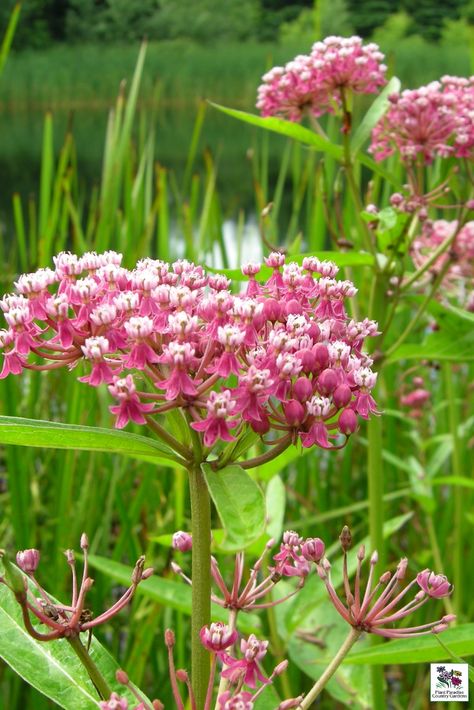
(458, 255)
(378, 607)
(313, 83)
(280, 355)
(434, 120)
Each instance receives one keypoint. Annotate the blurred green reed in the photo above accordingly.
(142, 208)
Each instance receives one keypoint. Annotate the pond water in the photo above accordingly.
(228, 140)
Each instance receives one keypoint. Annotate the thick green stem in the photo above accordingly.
(201, 576)
(331, 669)
(94, 674)
(376, 519)
(457, 547)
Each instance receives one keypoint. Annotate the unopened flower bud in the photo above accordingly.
(294, 412)
(291, 703)
(28, 560)
(281, 668)
(158, 705)
(84, 542)
(182, 541)
(361, 553)
(347, 422)
(345, 538)
(303, 388)
(313, 549)
(121, 677)
(169, 638)
(182, 675)
(138, 570)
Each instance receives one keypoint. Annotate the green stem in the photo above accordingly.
(94, 674)
(275, 451)
(331, 668)
(169, 439)
(422, 308)
(458, 546)
(448, 604)
(376, 519)
(201, 576)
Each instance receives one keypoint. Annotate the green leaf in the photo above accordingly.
(461, 481)
(341, 259)
(422, 649)
(171, 594)
(286, 128)
(378, 108)
(240, 504)
(439, 345)
(52, 668)
(52, 435)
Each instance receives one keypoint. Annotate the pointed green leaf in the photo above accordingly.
(52, 668)
(378, 108)
(286, 128)
(52, 435)
(239, 502)
(421, 649)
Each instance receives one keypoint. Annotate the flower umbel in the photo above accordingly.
(377, 608)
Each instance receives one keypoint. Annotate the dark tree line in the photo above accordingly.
(46, 22)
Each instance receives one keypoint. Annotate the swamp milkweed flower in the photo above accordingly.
(166, 336)
(436, 120)
(315, 83)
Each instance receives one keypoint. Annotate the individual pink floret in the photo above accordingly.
(130, 408)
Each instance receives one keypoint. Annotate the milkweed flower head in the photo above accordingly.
(457, 259)
(379, 606)
(282, 355)
(313, 83)
(436, 120)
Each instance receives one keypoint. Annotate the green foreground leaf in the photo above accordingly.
(52, 668)
(286, 128)
(422, 649)
(240, 504)
(52, 435)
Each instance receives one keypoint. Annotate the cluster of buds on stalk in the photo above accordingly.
(454, 245)
(318, 83)
(415, 397)
(60, 620)
(170, 336)
(432, 121)
(377, 607)
(293, 560)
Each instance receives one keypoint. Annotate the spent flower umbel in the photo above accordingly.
(379, 606)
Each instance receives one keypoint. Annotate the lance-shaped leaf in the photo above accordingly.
(240, 504)
(52, 435)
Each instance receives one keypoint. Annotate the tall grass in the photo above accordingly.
(88, 75)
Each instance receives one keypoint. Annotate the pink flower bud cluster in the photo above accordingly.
(313, 83)
(458, 255)
(379, 606)
(415, 397)
(280, 355)
(434, 120)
